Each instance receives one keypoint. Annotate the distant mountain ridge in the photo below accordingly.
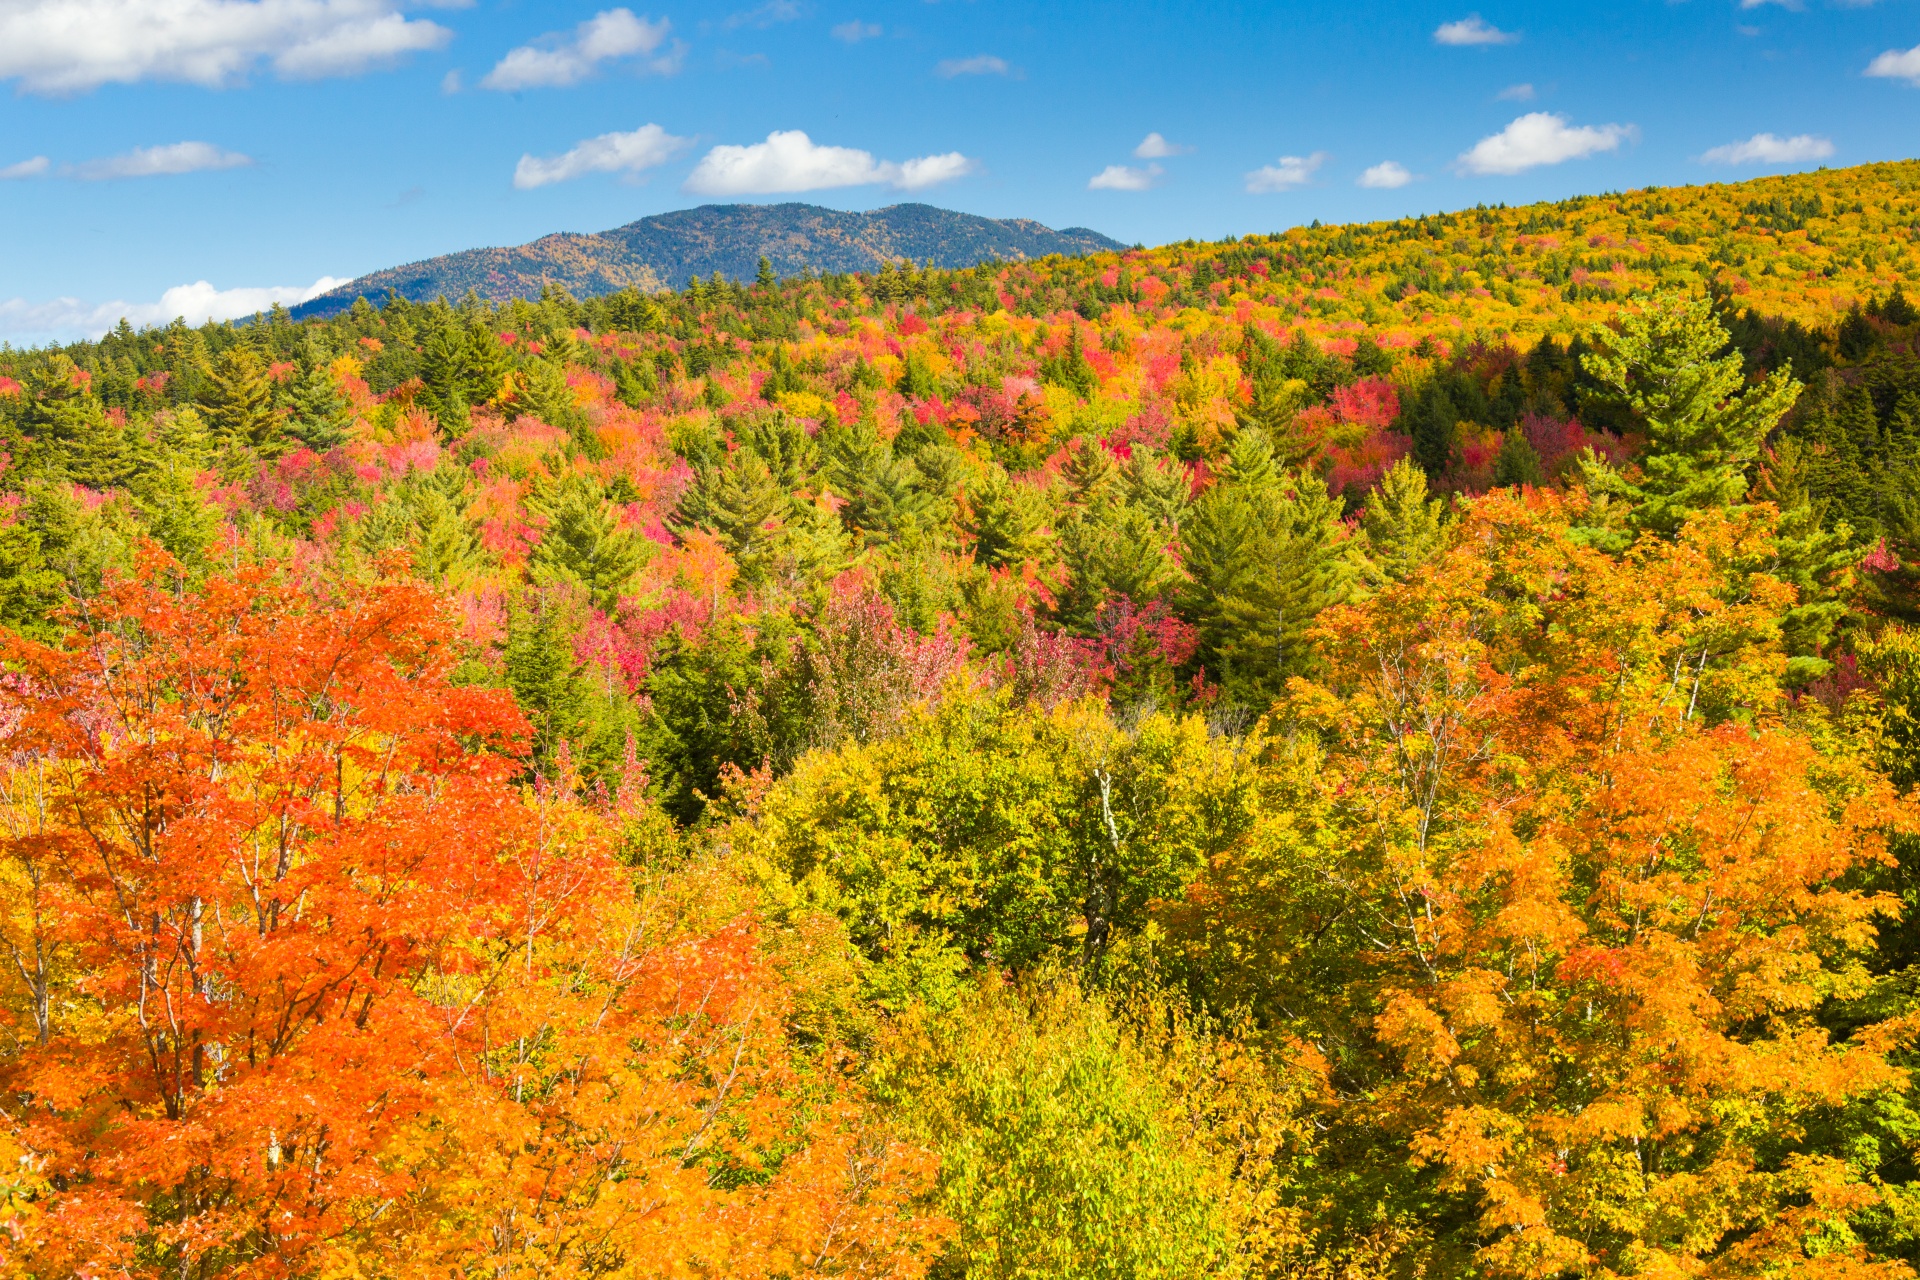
(667, 250)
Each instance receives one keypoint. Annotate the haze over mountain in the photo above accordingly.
(667, 250)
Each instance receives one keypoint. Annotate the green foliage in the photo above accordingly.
(1704, 425)
(1264, 553)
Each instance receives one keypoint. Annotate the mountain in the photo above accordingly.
(668, 249)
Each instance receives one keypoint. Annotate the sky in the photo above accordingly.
(206, 158)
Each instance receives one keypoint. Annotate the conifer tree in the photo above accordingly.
(1264, 552)
(584, 542)
(320, 416)
(740, 503)
(1403, 526)
(1704, 425)
(238, 401)
(1518, 463)
(1006, 521)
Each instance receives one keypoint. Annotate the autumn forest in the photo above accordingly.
(1381, 751)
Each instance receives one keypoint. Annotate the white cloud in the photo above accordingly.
(766, 15)
(982, 64)
(1515, 93)
(452, 82)
(559, 59)
(1897, 64)
(65, 319)
(1539, 138)
(930, 171)
(1472, 30)
(70, 46)
(645, 147)
(1289, 173)
(855, 31)
(158, 162)
(33, 168)
(790, 161)
(1155, 147)
(1120, 177)
(1386, 176)
(1765, 148)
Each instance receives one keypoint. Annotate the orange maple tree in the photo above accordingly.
(1609, 877)
(307, 981)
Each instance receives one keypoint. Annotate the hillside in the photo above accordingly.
(667, 250)
(1385, 752)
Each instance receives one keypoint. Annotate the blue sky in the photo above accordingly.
(203, 155)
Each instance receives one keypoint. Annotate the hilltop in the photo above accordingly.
(669, 249)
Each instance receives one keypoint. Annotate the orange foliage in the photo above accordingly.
(1605, 877)
(311, 985)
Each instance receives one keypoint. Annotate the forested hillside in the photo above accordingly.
(669, 249)
(1370, 751)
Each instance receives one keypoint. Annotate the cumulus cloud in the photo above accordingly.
(790, 161)
(1765, 148)
(158, 162)
(855, 31)
(642, 149)
(1386, 176)
(1120, 177)
(1540, 138)
(66, 319)
(981, 64)
(33, 168)
(71, 46)
(1472, 30)
(1155, 147)
(1291, 172)
(1515, 93)
(563, 58)
(1897, 64)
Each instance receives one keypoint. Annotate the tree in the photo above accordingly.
(1264, 553)
(238, 403)
(306, 984)
(584, 541)
(1517, 463)
(320, 416)
(1663, 360)
(1402, 525)
(1568, 887)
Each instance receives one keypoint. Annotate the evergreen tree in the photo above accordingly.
(1006, 521)
(764, 277)
(1113, 551)
(1432, 421)
(1263, 557)
(741, 504)
(584, 542)
(321, 416)
(1518, 463)
(1402, 525)
(238, 402)
(1704, 425)
(886, 500)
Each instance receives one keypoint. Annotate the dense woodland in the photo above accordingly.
(1374, 751)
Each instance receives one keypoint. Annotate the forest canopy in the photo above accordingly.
(1372, 751)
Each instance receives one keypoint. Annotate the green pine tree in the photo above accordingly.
(583, 541)
(238, 402)
(1518, 463)
(1704, 425)
(1402, 525)
(321, 417)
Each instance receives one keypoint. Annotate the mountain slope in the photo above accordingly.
(667, 250)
